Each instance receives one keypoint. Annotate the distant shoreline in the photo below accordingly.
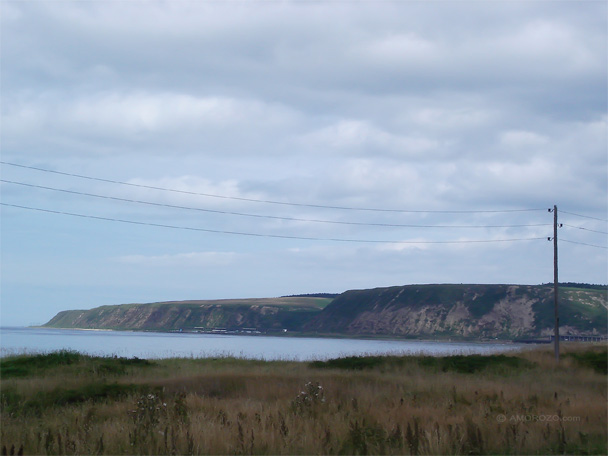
(74, 329)
(302, 335)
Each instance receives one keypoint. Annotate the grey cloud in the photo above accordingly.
(412, 105)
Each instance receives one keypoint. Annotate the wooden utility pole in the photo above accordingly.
(555, 285)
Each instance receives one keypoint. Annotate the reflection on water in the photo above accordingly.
(166, 345)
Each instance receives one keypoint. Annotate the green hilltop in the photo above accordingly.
(458, 311)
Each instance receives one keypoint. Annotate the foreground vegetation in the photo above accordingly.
(69, 403)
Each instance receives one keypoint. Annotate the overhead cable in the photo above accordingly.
(240, 233)
(216, 211)
(584, 216)
(254, 200)
(582, 243)
(584, 229)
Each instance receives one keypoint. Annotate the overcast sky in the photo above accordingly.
(425, 107)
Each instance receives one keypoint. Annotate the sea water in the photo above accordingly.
(15, 340)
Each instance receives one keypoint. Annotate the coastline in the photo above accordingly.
(72, 329)
(302, 335)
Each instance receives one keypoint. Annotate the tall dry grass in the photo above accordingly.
(232, 406)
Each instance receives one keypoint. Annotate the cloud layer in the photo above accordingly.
(451, 106)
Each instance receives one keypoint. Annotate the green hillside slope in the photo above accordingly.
(262, 314)
(448, 311)
(468, 311)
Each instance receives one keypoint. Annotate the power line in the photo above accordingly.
(240, 233)
(583, 243)
(584, 229)
(216, 211)
(253, 200)
(584, 216)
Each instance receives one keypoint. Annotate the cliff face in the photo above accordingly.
(471, 311)
(456, 311)
(262, 314)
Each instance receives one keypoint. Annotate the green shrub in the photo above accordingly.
(351, 363)
(470, 364)
(26, 365)
(464, 364)
(118, 366)
(21, 366)
(598, 361)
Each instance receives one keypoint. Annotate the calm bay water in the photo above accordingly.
(164, 345)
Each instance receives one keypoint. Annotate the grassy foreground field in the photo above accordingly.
(68, 403)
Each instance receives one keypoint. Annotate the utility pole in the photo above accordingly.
(555, 284)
